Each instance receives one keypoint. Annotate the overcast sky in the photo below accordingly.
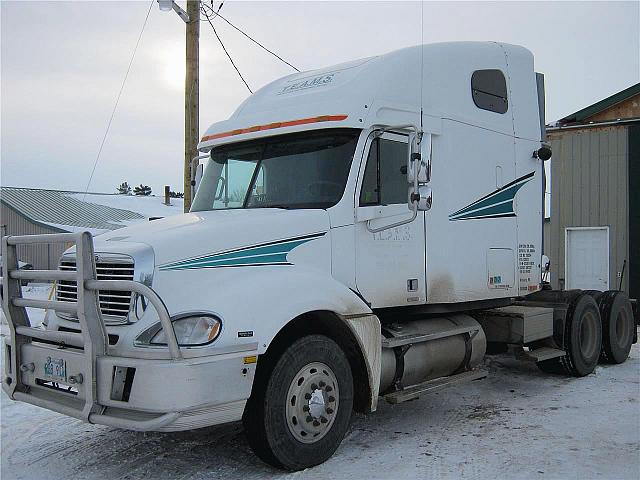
(63, 62)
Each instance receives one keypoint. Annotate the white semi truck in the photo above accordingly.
(362, 231)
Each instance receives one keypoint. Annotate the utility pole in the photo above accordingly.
(191, 96)
(191, 86)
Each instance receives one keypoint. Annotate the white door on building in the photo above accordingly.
(587, 258)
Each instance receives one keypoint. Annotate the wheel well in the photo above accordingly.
(324, 323)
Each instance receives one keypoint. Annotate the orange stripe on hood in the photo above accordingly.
(271, 126)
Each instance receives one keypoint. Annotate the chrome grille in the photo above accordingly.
(114, 305)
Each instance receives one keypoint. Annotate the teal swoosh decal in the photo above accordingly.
(273, 253)
(280, 258)
(494, 205)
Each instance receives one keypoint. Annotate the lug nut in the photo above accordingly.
(314, 386)
(322, 384)
(329, 388)
(309, 419)
(316, 423)
(332, 399)
(305, 408)
(329, 410)
(307, 396)
(323, 420)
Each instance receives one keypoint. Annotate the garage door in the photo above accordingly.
(587, 258)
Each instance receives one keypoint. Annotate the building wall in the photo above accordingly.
(633, 272)
(589, 187)
(40, 256)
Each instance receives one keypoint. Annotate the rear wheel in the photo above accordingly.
(582, 339)
(618, 326)
(298, 417)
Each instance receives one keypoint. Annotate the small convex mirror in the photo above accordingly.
(426, 195)
(423, 198)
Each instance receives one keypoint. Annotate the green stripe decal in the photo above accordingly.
(273, 253)
(495, 205)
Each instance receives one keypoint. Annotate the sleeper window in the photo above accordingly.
(489, 90)
(383, 182)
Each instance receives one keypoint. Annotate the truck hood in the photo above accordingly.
(192, 235)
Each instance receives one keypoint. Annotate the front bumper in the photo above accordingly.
(139, 394)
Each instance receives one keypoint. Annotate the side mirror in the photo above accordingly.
(424, 175)
(419, 172)
(419, 161)
(413, 159)
(424, 197)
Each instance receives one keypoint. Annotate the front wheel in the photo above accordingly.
(298, 417)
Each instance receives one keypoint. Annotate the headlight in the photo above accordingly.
(191, 331)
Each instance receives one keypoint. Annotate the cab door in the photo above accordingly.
(390, 265)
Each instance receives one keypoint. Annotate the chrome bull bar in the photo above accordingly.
(92, 338)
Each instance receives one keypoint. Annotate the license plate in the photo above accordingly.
(55, 369)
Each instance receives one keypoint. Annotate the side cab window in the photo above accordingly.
(385, 180)
(489, 90)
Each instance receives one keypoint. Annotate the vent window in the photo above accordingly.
(489, 90)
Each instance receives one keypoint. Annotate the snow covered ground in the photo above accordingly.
(519, 423)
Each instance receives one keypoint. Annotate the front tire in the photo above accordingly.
(299, 416)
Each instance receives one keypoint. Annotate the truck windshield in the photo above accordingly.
(301, 170)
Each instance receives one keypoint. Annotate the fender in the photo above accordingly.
(261, 301)
(311, 290)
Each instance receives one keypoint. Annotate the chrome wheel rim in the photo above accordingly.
(623, 329)
(588, 343)
(312, 402)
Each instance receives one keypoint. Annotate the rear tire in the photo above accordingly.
(297, 418)
(618, 326)
(582, 339)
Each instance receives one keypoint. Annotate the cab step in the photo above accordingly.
(434, 385)
(539, 354)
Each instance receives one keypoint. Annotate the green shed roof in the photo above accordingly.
(585, 113)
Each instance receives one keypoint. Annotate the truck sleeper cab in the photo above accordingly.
(355, 235)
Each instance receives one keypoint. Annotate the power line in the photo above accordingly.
(226, 52)
(115, 107)
(214, 14)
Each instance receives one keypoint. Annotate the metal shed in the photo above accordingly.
(26, 211)
(594, 231)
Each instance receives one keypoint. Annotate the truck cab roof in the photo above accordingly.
(387, 89)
